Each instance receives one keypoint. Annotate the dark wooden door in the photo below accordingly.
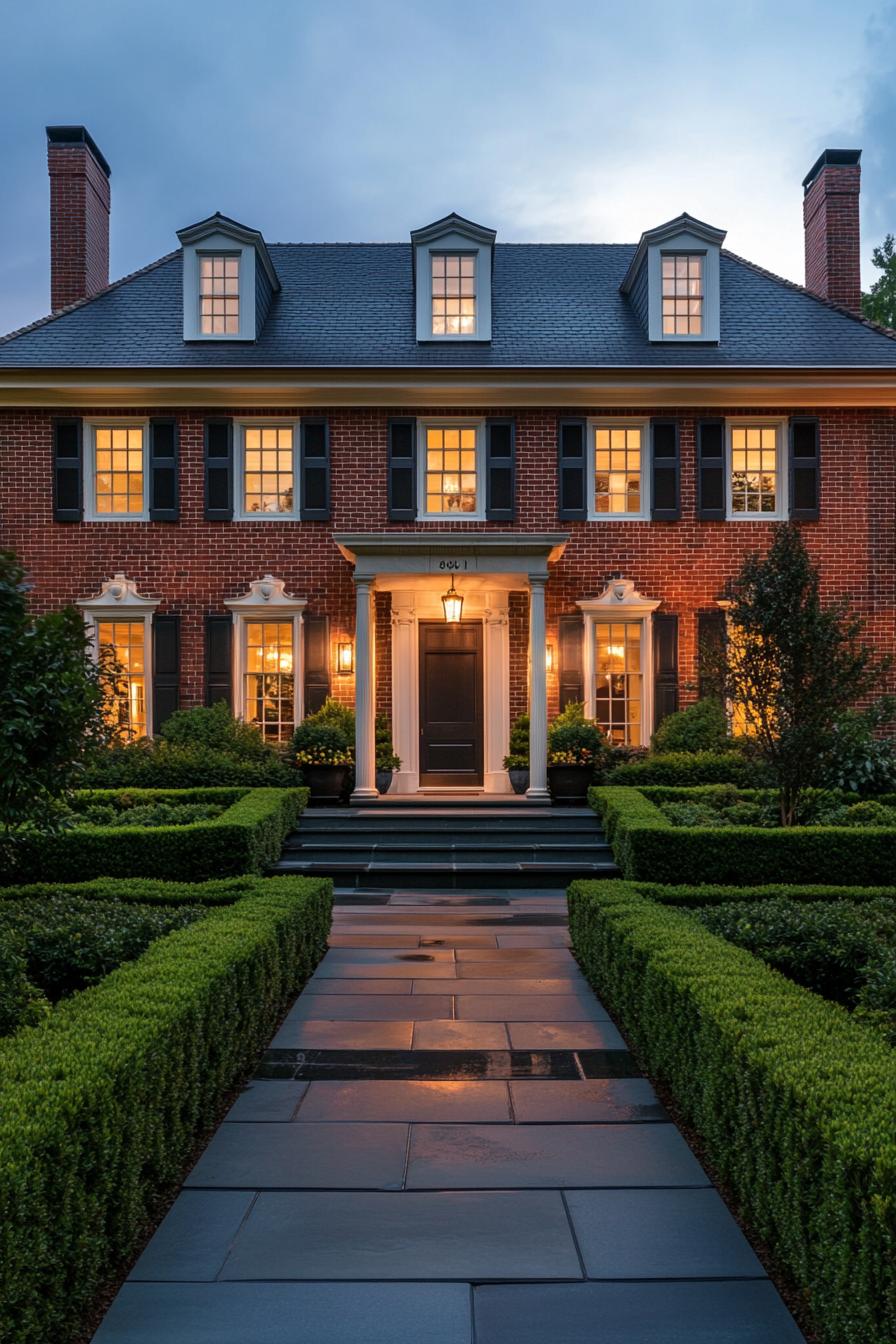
(450, 703)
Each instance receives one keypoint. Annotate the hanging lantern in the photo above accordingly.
(453, 604)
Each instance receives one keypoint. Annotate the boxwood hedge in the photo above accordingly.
(685, 768)
(102, 1105)
(245, 838)
(795, 1103)
(648, 847)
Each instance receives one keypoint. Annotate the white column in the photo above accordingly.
(405, 712)
(497, 692)
(365, 765)
(538, 692)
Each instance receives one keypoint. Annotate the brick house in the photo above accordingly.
(261, 469)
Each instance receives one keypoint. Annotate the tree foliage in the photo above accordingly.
(51, 697)
(793, 665)
(880, 302)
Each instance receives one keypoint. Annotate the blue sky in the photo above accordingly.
(553, 120)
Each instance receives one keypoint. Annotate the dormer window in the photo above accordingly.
(453, 280)
(229, 281)
(219, 294)
(673, 281)
(683, 294)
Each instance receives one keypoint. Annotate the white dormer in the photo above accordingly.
(453, 280)
(673, 281)
(229, 280)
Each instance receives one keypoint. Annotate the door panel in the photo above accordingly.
(450, 703)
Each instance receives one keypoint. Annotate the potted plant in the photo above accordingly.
(386, 760)
(576, 748)
(324, 757)
(516, 762)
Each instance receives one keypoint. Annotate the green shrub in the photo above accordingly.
(701, 727)
(793, 1101)
(102, 1106)
(21, 1003)
(69, 941)
(860, 761)
(384, 747)
(689, 768)
(139, 890)
(246, 837)
(155, 763)
(575, 740)
(124, 812)
(647, 847)
(217, 729)
(518, 756)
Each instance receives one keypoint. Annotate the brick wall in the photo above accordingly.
(831, 222)
(79, 223)
(193, 565)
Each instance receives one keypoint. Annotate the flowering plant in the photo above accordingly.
(578, 756)
(323, 755)
(575, 740)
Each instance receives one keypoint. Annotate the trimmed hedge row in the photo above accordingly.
(795, 1102)
(647, 847)
(101, 1106)
(685, 768)
(694, 897)
(140, 890)
(245, 838)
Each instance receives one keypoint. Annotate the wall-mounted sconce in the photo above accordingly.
(345, 657)
(549, 657)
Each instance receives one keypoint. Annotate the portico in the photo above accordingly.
(450, 696)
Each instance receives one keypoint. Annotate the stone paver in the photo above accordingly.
(447, 1134)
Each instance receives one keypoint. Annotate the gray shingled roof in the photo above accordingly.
(352, 304)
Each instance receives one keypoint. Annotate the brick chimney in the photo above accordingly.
(831, 222)
(79, 215)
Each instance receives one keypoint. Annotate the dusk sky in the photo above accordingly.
(351, 121)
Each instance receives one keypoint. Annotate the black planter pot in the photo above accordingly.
(519, 779)
(570, 783)
(326, 782)
(383, 781)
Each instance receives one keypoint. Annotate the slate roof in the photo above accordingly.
(351, 304)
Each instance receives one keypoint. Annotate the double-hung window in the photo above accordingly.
(453, 294)
(451, 474)
(756, 485)
(619, 455)
(683, 294)
(619, 681)
(267, 470)
(269, 692)
(219, 294)
(117, 475)
(123, 656)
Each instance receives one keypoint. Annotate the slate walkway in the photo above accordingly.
(448, 1141)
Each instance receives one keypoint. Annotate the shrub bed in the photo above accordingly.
(648, 847)
(101, 1106)
(693, 767)
(245, 838)
(154, 763)
(794, 1101)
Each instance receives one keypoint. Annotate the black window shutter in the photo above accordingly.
(219, 659)
(500, 471)
(68, 476)
(219, 470)
(402, 470)
(571, 677)
(665, 666)
(164, 499)
(665, 504)
(805, 469)
(711, 470)
(314, 502)
(711, 634)
(316, 636)
(572, 469)
(165, 668)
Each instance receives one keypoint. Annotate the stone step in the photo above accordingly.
(445, 876)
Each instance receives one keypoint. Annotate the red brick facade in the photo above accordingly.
(193, 565)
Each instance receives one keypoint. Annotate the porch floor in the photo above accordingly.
(448, 1139)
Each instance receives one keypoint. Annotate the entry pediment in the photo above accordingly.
(523, 553)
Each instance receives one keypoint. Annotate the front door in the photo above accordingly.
(450, 704)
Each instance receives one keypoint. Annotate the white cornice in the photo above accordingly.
(416, 387)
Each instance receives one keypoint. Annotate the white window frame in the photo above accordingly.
(113, 422)
(239, 450)
(620, 603)
(219, 245)
(203, 253)
(267, 601)
(620, 422)
(781, 470)
(453, 237)
(451, 422)
(119, 600)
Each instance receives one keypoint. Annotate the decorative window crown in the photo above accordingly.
(119, 591)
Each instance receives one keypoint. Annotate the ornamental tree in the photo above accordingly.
(793, 665)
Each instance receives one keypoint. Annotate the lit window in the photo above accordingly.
(268, 470)
(683, 295)
(754, 469)
(219, 296)
(451, 470)
(453, 295)
(270, 682)
(618, 680)
(118, 472)
(122, 645)
(617, 474)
